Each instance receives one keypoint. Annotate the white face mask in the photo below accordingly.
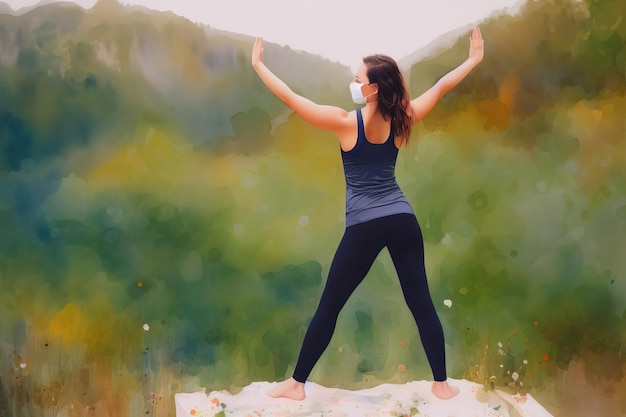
(357, 93)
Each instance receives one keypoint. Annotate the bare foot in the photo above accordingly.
(444, 391)
(289, 388)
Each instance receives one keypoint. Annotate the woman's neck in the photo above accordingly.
(371, 109)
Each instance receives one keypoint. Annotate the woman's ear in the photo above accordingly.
(370, 89)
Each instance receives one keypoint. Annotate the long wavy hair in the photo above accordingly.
(394, 101)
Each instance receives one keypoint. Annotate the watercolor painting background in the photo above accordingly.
(166, 225)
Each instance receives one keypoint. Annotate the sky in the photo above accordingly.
(340, 30)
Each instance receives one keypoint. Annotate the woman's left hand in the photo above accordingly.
(477, 46)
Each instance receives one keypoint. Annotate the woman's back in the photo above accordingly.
(377, 130)
(371, 187)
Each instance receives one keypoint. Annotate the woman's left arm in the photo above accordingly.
(423, 104)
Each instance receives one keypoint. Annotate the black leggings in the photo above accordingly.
(356, 253)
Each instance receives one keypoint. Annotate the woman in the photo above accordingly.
(378, 214)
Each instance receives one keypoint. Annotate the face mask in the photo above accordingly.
(357, 94)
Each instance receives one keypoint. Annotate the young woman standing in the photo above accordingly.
(378, 214)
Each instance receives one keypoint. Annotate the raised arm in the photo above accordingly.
(329, 118)
(423, 104)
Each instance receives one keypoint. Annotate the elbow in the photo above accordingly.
(283, 99)
(434, 94)
(287, 98)
(441, 88)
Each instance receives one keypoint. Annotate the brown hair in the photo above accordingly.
(394, 101)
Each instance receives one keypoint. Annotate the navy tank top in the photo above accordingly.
(371, 187)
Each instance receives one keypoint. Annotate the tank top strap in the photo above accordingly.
(391, 141)
(360, 125)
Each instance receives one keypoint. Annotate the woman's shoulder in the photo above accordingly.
(348, 137)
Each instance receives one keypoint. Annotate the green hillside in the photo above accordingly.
(70, 76)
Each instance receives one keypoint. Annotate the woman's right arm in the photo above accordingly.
(324, 117)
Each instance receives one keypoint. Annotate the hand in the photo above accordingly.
(257, 51)
(477, 46)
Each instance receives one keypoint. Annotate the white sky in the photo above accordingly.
(341, 30)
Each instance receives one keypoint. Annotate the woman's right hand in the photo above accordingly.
(257, 52)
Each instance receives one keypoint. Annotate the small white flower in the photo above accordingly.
(146, 327)
(447, 303)
(515, 376)
(23, 365)
(525, 361)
